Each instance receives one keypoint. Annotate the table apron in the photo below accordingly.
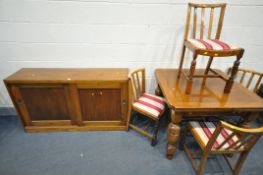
(214, 113)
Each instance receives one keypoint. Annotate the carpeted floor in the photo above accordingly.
(98, 153)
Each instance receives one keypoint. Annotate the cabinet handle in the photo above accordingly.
(92, 94)
(100, 92)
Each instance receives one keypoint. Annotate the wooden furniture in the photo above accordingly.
(207, 99)
(222, 138)
(211, 46)
(249, 78)
(50, 99)
(149, 105)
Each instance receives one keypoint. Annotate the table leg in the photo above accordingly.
(173, 134)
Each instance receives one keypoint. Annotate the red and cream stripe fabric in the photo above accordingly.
(205, 131)
(211, 44)
(151, 104)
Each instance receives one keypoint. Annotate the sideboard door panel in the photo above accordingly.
(87, 103)
(108, 105)
(45, 103)
(100, 104)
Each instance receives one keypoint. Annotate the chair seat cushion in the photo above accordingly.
(150, 104)
(203, 132)
(211, 45)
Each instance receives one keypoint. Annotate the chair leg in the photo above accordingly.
(240, 162)
(209, 65)
(131, 120)
(155, 132)
(190, 76)
(181, 61)
(202, 163)
(183, 135)
(233, 74)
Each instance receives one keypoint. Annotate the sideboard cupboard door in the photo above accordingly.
(43, 104)
(100, 104)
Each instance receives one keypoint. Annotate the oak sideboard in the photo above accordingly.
(65, 99)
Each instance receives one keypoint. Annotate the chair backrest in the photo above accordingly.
(138, 83)
(199, 14)
(254, 78)
(247, 137)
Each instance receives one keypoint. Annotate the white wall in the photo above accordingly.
(113, 33)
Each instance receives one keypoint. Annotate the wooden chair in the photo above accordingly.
(254, 78)
(149, 105)
(253, 81)
(222, 138)
(211, 46)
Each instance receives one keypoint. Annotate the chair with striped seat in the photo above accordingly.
(222, 138)
(149, 105)
(206, 45)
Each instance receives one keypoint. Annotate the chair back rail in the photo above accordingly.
(251, 75)
(199, 11)
(138, 83)
(247, 137)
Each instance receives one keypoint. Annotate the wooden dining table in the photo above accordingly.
(207, 98)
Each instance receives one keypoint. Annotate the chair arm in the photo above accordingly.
(240, 129)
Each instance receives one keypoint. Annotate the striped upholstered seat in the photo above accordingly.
(150, 104)
(211, 45)
(203, 131)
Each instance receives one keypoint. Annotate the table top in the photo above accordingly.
(67, 75)
(205, 97)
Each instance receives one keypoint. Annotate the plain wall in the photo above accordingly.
(114, 33)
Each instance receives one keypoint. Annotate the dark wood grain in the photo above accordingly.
(100, 104)
(45, 103)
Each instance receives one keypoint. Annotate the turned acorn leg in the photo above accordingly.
(173, 134)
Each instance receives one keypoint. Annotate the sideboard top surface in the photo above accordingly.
(68, 75)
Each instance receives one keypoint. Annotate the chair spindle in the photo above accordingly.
(258, 83)
(202, 23)
(210, 23)
(195, 21)
(250, 80)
